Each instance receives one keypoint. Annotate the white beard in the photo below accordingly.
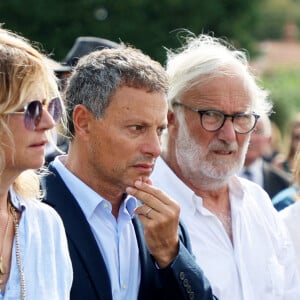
(201, 165)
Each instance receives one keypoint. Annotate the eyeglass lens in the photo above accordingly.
(214, 120)
(34, 111)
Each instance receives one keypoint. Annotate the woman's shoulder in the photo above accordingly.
(44, 214)
(292, 211)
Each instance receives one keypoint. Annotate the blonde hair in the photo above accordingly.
(296, 169)
(21, 67)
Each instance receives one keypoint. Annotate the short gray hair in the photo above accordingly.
(99, 74)
(205, 57)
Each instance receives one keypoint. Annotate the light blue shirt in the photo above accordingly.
(116, 238)
(44, 254)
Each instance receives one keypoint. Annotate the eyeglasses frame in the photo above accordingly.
(43, 106)
(232, 116)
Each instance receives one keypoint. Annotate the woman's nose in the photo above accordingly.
(46, 121)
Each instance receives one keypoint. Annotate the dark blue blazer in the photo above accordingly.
(274, 180)
(183, 279)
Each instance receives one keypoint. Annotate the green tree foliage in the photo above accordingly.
(283, 83)
(147, 24)
(274, 15)
(284, 86)
(153, 25)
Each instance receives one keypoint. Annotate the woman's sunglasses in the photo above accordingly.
(33, 112)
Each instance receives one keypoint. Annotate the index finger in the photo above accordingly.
(142, 189)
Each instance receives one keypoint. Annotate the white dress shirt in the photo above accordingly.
(259, 265)
(116, 239)
(291, 217)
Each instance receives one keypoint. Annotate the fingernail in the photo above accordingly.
(138, 183)
(130, 190)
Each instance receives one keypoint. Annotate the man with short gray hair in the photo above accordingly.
(117, 111)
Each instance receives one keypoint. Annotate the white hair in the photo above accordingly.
(205, 57)
(267, 126)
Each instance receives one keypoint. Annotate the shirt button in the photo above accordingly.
(124, 286)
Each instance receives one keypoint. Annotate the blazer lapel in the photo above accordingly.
(78, 232)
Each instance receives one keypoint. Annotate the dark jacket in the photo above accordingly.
(274, 180)
(183, 279)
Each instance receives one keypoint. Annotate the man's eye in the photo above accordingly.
(213, 114)
(137, 127)
(161, 130)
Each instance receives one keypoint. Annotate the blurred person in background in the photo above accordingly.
(237, 236)
(286, 163)
(291, 214)
(34, 257)
(256, 168)
(286, 197)
(274, 148)
(83, 45)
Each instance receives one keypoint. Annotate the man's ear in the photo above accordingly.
(81, 120)
(171, 118)
(269, 140)
(172, 123)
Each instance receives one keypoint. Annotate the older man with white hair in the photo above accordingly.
(237, 236)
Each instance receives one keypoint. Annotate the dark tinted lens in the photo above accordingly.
(55, 109)
(33, 114)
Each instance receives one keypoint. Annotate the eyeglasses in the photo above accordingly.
(213, 120)
(33, 112)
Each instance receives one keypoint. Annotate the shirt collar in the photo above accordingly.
(164, 178)
(86, 197)
(18, 202)
(130, 204)
(236, 194)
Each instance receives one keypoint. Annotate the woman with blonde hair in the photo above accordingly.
(291, 214)
(34, 258)
(286, 162)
